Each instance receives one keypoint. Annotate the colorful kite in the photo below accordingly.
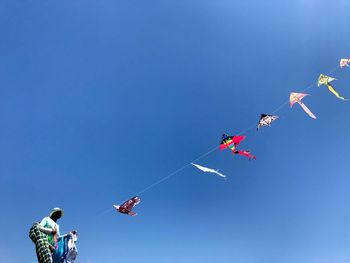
(266, 120)
(344, 62)
(126, 207)
(325, 80)
(209, 170)
(232, 142)
(297, 97)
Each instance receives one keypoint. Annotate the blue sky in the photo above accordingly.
(99, 99)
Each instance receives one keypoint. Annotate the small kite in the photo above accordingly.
(325, 80)
(209, 170)
(344, 62)
(232, 142)
(297, 97)
(126, 207)
(266, 120)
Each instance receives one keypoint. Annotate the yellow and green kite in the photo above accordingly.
(325, 80)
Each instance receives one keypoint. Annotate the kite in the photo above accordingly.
(209, 170)
(126, 207)
(297, 97)
(266, 120)
(344, 62)
(232, 142)
(325, 80)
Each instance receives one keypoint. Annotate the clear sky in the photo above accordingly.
(99, 99)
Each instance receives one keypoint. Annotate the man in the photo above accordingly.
(50, 246)
(45, 235)
(49, 226)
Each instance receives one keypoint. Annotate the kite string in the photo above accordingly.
(176, 171)
(166, 177)
(287, 101)
(215, 148)
(307, 88)
(162, 180)
(212, 150)
(186, 165)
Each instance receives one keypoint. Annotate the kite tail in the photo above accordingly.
(246, 154)
(331, 89)
(306, 109)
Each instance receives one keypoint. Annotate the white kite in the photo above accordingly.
(344, 62)
(209, 170)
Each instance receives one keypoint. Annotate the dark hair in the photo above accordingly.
(56, 215)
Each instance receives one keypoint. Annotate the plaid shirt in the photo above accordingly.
(42, 245)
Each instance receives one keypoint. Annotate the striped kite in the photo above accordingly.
(297, 97)
(325, 80)
(232, 142)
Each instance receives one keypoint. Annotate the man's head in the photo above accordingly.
(56, 213)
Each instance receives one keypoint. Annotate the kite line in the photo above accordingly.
(216, 147)
(185, 166)
(307, 88)
(167, 176)
(177, 171)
